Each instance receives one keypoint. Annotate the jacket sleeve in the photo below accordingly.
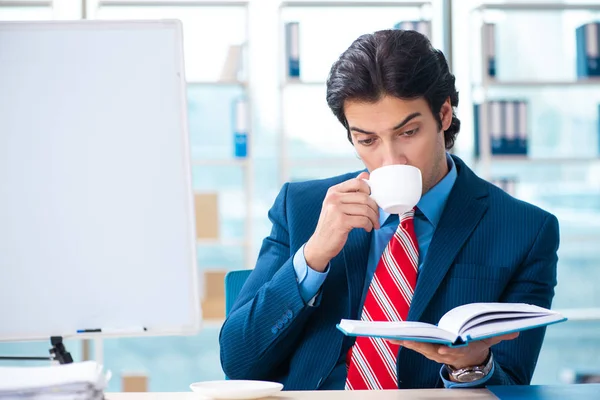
(266, 322)
(533, 283)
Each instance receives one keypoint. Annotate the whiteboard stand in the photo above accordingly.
(58, 353)
(99, 351)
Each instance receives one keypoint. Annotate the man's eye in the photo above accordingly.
(366, 142)
(411, 132)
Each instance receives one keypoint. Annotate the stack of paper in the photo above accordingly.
(77, 381)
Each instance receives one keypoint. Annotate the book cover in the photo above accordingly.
(460, 325)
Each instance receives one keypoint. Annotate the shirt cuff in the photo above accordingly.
(309, 280)
(478, 383)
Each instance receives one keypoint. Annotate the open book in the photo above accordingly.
(460, 325)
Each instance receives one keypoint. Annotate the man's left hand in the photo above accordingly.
(460, 357)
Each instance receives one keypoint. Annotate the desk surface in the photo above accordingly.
(467, 394)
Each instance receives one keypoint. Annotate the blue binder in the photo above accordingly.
(588, 50)
(240, 127)
(292, 49)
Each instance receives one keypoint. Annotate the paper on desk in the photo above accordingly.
(85, 380)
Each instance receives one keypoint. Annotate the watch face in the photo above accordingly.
(470, 376)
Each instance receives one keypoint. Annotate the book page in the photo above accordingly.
(454, 320)
(501, 327)
(496, 316)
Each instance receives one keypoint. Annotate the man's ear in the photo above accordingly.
(446, 114)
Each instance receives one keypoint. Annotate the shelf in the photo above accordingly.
(538, 7)
(217, 83)
(539, 160)
(222, 242)
(25, 3)
(363, 3)
(533, 83)
(171, 3)
(242, 162)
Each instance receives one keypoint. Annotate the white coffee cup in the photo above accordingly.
(396, 188)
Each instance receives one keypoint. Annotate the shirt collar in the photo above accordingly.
(432, 203)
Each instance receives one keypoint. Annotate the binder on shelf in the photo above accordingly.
(588, 50)
(497, 132)
(423, 27)
(240, 127)
(488, 37)
(507, 126)
(521, 124)
(511, 144)
(292, 49)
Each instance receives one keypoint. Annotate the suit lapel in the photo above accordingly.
(464, 208)
(355, 256)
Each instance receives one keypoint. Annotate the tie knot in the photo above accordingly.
(408, 214)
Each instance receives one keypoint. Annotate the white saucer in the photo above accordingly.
(233, 389)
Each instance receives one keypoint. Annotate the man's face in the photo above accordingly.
(397, 131)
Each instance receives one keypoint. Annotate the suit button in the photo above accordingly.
(279, 324)
(285, 319)
(274, 330)
(289, 314)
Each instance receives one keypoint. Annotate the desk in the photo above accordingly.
(429, 394)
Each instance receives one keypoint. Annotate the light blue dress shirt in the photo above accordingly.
(427, 217)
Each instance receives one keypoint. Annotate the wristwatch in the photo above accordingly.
(470, 374)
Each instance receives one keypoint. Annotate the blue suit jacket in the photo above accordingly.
(488, 247)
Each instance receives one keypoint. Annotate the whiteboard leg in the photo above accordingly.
(99, 351)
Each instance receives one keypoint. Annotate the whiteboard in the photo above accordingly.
(96, 203)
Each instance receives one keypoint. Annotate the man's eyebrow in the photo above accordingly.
(400, 125)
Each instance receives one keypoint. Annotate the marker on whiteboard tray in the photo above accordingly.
(114, 330)
(88, 330)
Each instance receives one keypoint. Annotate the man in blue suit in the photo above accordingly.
(395, 96)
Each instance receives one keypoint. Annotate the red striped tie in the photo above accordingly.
(372, 364)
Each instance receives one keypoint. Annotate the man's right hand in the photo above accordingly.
(346, 206)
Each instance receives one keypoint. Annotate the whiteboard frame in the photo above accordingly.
(196, 317)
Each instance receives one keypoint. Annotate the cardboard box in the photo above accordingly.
(134, 383)
(206, 207)
(213, 304)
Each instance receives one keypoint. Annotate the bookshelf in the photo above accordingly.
(314, 85)
(486, 83)
(485, 86)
